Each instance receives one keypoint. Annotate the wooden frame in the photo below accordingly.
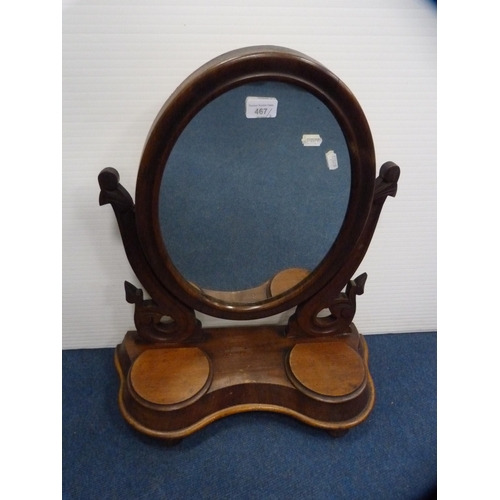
(176, 376)
(218, 76)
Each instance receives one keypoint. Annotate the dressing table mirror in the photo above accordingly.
(256, 195)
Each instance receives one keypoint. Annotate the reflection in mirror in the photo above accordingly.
(255, 192)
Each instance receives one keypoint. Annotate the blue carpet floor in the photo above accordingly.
(391, 456)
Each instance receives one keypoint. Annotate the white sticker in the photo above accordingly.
(261, 107)
(331, 160)
(311, 140)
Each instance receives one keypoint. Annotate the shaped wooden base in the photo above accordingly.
(169, 392)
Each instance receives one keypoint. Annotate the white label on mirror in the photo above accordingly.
(311, 140)
(261, 107)
(331, 160)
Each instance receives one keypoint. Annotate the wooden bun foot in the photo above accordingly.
(338, 433)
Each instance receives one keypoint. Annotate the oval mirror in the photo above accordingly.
(255, 191)
(255, 183)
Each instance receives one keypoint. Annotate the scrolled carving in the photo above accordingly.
(386, 183)
(342, 307)
(148, 313)
(148, 317)
(113, 192)
(342, 310)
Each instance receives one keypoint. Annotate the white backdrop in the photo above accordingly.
(123, 58)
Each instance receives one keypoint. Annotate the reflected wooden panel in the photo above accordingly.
(285, 280)
(281, 283)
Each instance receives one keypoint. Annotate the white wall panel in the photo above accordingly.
(122, 60)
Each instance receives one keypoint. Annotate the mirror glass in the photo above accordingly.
(254, 192)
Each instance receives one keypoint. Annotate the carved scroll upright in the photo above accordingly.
(182, 323)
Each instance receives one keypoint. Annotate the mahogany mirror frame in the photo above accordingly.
(236, 68)
(176, 376)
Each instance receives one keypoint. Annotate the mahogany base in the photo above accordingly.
(169, 392)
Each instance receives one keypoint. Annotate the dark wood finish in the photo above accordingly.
(211, 80)
(248, 366)
(342, 306)
(148, 313)
(175, 376)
